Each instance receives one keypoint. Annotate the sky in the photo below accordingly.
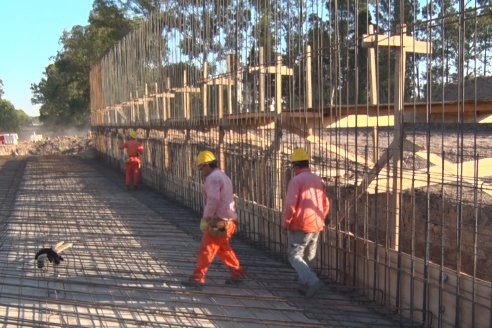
(30, 31)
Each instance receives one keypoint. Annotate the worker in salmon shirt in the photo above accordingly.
(305, 209)
(133, 149)
(218, 223)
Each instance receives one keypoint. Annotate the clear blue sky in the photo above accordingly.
(30, 31)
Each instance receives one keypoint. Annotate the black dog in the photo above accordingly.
(50, 254)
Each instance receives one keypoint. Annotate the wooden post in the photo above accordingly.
(108, 116)
(205, 89)
(375, 151)
(222, 148)
(137, 109)
(166, 149)
(279, 71)
(156, 101)
(167, 100)
(262, 80)
(146, 104)
(132, 109)
(230, 82)
(190, 158)
(219, 82)
(186, 99)
(309, 82)
(373, 85)
(278, 85)
(186, 90)
(404, 44)
(239, 87)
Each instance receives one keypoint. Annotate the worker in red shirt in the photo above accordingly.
(218, 223)
(305, 209)
(133, 149)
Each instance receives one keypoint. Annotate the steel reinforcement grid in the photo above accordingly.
(392, 99)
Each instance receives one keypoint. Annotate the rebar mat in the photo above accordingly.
(130, 251)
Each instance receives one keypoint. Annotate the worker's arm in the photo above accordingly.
(122, 145)
(290, 203)
(212, 191)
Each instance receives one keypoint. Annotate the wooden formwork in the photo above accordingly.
(187, 112)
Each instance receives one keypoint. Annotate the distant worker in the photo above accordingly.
(305, 209)
(218, 223)
(133, 149)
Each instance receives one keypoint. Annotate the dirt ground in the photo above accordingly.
(39, 141)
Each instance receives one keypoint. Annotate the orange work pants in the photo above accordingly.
(220, 246)
(132, 171)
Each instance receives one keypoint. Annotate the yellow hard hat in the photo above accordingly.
(205, 157)
(133, 134)
(299, 155)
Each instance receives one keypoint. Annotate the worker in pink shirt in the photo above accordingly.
(133, 149)
(218, 223)
(305, 209)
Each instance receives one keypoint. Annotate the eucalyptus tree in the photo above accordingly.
(64, 91)
(440, 21)
(477, 39)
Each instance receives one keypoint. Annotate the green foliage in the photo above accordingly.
(9, 120)
(64, 91)
(335, 35)
(22, 117)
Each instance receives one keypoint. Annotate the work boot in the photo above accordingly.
(313, 289)
(193, 283)
(302, 289)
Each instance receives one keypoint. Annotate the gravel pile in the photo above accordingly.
(60, 145)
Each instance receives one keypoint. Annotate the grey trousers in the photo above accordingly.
(301, 251)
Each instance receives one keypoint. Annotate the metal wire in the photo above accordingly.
(389, 98)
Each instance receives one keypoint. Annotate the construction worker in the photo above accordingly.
(133, 149)
(218, 223)
(305, 209)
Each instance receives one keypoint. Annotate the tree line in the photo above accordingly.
(64, 91)
(460, 38)
(10, 118)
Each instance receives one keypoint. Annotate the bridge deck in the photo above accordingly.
(130, 252)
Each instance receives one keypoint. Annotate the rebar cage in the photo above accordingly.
(391, 98)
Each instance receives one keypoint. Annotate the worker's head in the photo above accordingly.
(299, 158)
(206, 162)
(132, 134)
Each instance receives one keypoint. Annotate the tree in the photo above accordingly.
(22, 117)
(64, 91)
(9, 121)
(1, 88)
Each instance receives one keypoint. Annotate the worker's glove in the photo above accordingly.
(218, 227)
(203, 225)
